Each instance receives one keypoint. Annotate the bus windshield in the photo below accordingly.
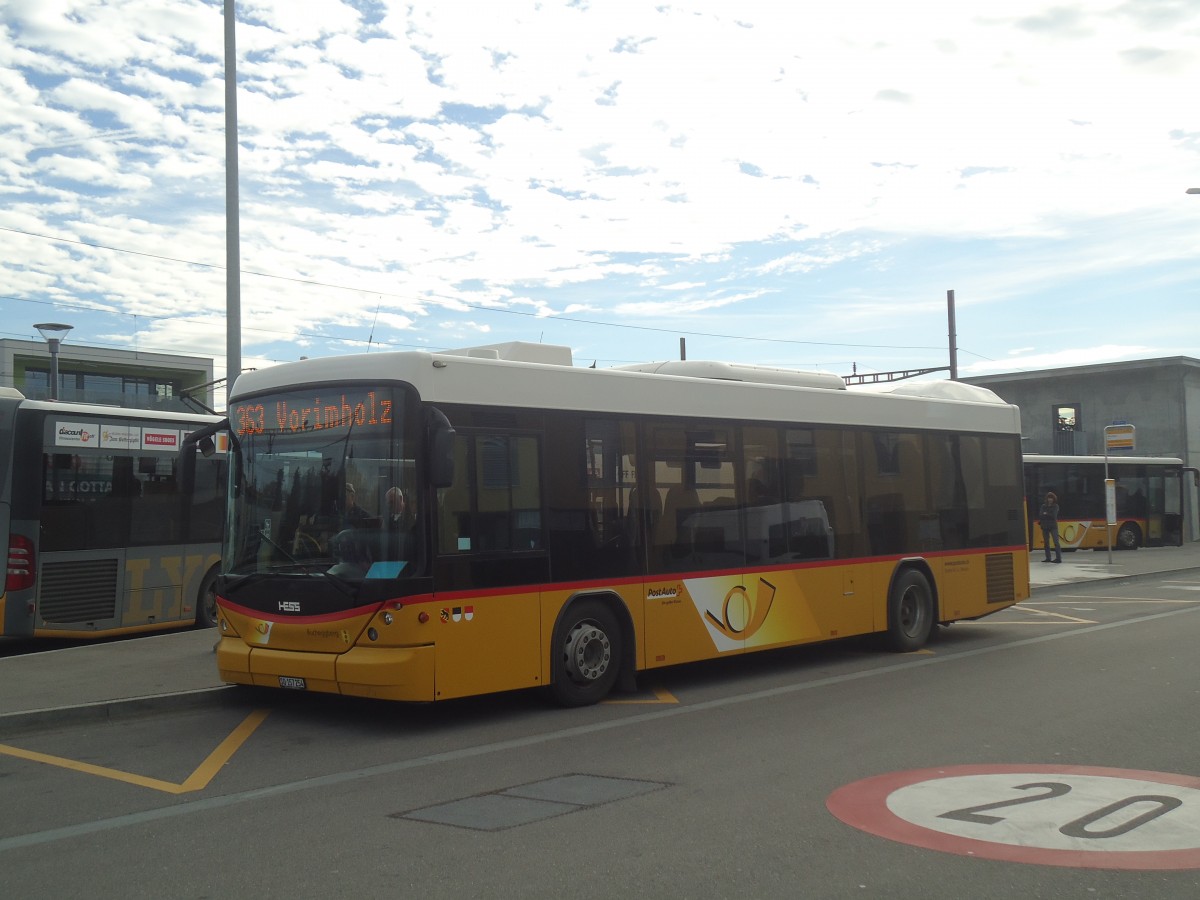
(324, 485)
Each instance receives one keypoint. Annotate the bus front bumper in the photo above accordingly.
(384, 673)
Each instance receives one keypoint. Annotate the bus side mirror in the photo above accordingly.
(207, 447)
(441, 449)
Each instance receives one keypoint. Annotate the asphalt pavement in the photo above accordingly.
(178, 669)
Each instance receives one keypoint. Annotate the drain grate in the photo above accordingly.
(532, 802)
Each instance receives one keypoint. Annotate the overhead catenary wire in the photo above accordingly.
(441, 301)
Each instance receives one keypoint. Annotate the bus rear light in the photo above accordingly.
(21, 567)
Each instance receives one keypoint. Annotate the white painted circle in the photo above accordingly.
(1053, 815)
(1056, 811)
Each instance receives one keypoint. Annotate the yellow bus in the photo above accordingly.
(1149, 500)
(102, 540)
(567, 528)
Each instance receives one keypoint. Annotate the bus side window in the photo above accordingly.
(154, 512)
(87, 513)
(495, 503)
(208, 500)
(454, 503)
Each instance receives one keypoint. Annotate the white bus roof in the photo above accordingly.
(1112, 459)
(125, 412)
(942, 390)
(488, 379)
(519, 351)
(723, 371)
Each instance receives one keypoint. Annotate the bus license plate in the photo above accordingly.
(289, 681)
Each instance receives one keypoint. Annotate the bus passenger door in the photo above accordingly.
(1162, 504)
(490, 563)
(697, 600)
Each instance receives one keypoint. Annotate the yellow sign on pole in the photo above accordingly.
(1118, 437)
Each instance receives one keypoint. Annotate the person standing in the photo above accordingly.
(1048, 519)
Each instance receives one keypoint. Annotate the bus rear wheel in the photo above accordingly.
(910, 612)
(1129, 537)
(206, 601)
(586, 654)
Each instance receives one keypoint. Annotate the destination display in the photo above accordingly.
(297, 413)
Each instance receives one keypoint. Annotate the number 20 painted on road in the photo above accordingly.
(1079, 827)
(1078, 816)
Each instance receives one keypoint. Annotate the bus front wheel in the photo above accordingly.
(587, 654)
(910, 612)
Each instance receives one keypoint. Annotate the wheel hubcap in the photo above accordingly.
(588, 652)
(911, 613)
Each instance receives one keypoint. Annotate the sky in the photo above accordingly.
(778, 182)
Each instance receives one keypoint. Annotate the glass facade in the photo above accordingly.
(96, 387)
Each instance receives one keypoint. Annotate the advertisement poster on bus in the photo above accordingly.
(160, 439)
(120, 437)
(76, 434)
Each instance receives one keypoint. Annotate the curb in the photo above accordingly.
(111, 710)
(1133, 576)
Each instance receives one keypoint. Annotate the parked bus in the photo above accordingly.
(570, 527)
(101, 539)
(1149, 495)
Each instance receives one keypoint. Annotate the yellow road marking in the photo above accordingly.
(197, 781)
(660, 696)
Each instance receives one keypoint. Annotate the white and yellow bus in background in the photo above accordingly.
(101, 538)
(569, 527)
(1149, 500)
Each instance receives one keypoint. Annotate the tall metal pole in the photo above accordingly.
(233, 263)
(53, 368)
(1107, 517)
(953, 336)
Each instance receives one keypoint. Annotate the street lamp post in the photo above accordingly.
(233, 265)
(54, 333)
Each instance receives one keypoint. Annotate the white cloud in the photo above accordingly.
(762, 169)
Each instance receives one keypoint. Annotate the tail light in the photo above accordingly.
(21, 568)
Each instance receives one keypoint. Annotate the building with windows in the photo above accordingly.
(128, 378)
(1064, 411)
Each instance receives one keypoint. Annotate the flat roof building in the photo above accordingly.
(1065, 410)
(128, 378)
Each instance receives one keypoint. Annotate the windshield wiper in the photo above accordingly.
(346, 587)
(234, 583)
(304, 566)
